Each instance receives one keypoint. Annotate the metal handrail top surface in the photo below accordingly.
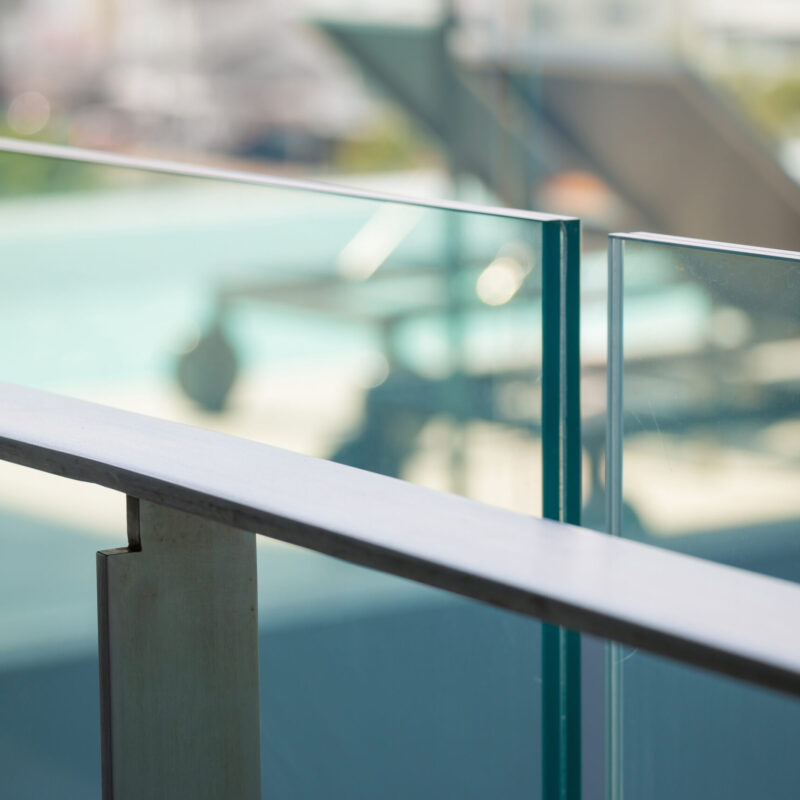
(753, 251)
(186, 170)
(726, 619)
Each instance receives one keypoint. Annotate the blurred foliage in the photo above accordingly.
(774, 103)
(389, 143)
(21, 174)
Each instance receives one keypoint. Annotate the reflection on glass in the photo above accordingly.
(711, 390)
(692, 734)
(307, 320)
(397, 338)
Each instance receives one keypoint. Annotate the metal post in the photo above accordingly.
(178, 636)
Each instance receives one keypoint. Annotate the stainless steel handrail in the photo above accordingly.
(713, 616)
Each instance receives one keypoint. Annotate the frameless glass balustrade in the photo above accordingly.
(399, 337)
(704, 434)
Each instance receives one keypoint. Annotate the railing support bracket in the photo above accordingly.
(178, 635)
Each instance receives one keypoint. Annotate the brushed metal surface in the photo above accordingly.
(178, 639)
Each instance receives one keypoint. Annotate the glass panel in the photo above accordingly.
(711, 393)
(399, 338)
(372, 686)
(690, 733)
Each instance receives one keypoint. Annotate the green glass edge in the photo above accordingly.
(561, 487)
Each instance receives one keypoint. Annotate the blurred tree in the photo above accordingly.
(20, 174)
(774, 103)
(390, 143)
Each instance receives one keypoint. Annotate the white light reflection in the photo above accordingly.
(375, 370)
(377, 240)
(28, 113)
(502, 279)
